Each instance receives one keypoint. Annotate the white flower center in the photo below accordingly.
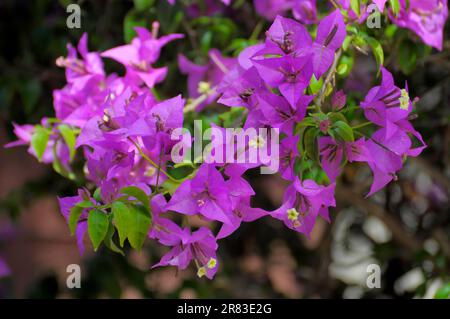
(212, 263)
(256, 142)
(404, 100)
(203, 87)
(201, 272)
(292, 214)
(150, 171)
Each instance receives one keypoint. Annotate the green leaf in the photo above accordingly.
(395, 6)
(347, 61)
(39, 140)
(443, 292)
(342, 69)
(97, 195)
(239, 44)
(129, 23)
(137, 193)
(300, 131)
(390, 31)
(307, 121)
(343, 131)
(351, 29)
(359, 41)
(354, 5)
(311, 145)
(142, 5)
(85, 204)
(58, 166)
(298, 163)
(407, 56)
(140, 222)
(205, 42)
(69, 137)
(109, 240)
(334, 117)
(377, 50)
(315, 85)
(346, 44)
(98, 224)
(329, 89)
(319, 117)
(170, 186)
(122, 219)
(233, 118)
(75, 213)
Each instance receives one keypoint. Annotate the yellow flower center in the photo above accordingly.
(256, 142)
(212, 263)
(203, 87)
(292, 214)
(150, 171)
(201, 272)
(404, 100)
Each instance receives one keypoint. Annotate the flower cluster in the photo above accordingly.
(425, 18)
(124, 133)
(304, 11)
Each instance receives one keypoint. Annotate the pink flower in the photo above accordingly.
(332, 154)
(424, 17)
(206, 194)
(203, 79)
(303, 202)
(199, 246)
(139, 56)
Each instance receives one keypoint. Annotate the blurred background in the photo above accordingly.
(404, 228)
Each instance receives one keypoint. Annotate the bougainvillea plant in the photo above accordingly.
(292, 82)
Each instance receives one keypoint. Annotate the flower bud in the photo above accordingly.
(338, 100)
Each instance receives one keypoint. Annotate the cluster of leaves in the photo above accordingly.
(132, 219)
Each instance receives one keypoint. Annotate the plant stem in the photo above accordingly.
(376, 142)
(148, 159)
(158, 173)
(352, 108)
(193, 104)
(330, 75)
(219, 63)
(361, 125)
(257, 30)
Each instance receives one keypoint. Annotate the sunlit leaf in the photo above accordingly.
(97, 227)
(39, 140)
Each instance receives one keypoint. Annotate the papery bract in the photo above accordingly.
(65, 205)
(199, 246)
(305, 11)
(203, 78)
(206, 194)
(332, 153)
(139, 56)
(303, 202)
(425, 18)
